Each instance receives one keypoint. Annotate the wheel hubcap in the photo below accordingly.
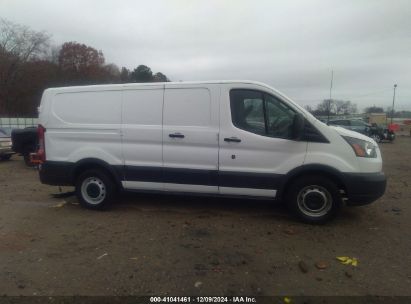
(93, 190)
(314, 201)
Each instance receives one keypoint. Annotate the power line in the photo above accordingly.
(342, 96)
(368, 94)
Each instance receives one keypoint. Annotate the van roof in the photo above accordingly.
(130, 85)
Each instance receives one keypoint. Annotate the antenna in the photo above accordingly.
(329, 101)
(393, 100)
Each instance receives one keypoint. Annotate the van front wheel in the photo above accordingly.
(94, 189)
(314, 199)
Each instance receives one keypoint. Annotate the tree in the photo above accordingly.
(75, 56)
(309, 108)
(37, 75)
(160, 77)
(125, 75)
(342, 107)
(28, 65)
(334, 107)
(141, 74)
(324, 107)
(21, 42)
(81, 64)
(112, 73)
(374, 109)
(18, 46)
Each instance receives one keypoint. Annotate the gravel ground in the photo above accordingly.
(177, 245)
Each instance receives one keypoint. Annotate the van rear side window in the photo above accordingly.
(75, 108)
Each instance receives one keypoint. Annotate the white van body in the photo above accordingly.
(216, 137)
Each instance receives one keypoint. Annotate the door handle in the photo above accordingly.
(176, 135)
(232, 139)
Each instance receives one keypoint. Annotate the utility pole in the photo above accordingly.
(393, 100)
(329, 100)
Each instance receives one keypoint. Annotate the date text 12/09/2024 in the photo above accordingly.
(203, 300)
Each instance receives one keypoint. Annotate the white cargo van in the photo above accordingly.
(234, 138)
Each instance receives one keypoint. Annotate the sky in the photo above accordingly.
(292, 45)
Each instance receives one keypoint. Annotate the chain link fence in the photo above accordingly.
(18, 122)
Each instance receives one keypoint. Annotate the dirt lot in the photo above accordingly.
(173, 245)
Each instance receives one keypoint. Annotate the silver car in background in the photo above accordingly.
(5, 144)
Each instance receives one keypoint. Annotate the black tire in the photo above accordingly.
(95, 189)
(27, 161)
(314, 199)
(28, 149)
(376, 137)
(5, 157)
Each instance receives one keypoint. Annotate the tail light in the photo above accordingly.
(41, 152)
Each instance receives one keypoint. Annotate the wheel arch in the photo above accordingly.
(312, 169)
(114, 172)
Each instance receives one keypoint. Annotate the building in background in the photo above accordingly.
(377, 118)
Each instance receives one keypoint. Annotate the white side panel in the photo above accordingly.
(103, 107)
(142, 129)
(74, 144)
(84, 125)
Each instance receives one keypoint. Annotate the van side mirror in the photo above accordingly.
(298, 126)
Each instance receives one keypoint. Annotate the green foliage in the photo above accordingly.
(333, 107)
(160, 77)
(374, 109)
(28, 65)
(142, 74)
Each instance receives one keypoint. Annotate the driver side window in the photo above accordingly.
(261, 113)
(280, 118)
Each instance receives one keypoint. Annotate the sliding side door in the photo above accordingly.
(190, 138)
(142, 116)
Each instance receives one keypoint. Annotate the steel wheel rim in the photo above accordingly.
(314, 201)
(93, 190)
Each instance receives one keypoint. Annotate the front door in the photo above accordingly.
(255, 146)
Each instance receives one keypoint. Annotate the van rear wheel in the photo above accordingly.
(95, 189)
(314, 199)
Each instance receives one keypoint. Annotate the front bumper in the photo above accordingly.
(364, 188)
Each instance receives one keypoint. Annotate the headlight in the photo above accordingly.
(362, 148)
